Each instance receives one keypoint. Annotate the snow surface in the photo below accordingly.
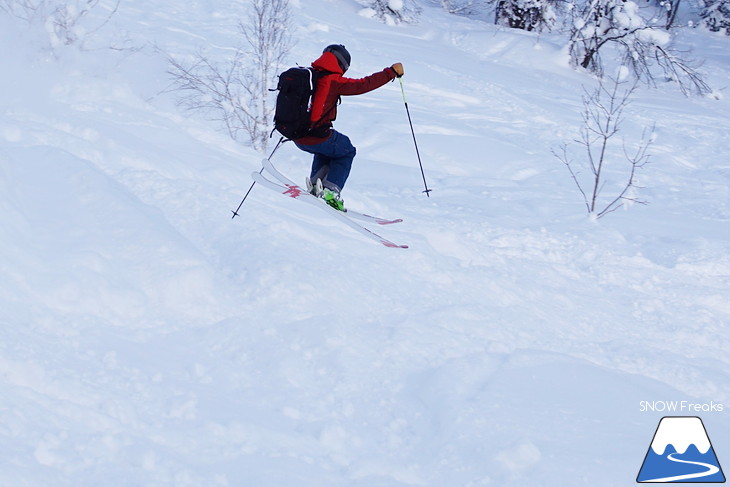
(147, 339)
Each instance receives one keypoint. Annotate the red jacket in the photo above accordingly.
(329, 88)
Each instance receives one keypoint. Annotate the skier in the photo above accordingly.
(333, 151)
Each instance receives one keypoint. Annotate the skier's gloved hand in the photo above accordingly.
(398, 68)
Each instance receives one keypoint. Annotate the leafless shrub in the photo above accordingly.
(602, 119)
(235, 92)
(66, 22)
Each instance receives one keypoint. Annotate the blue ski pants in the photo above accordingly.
(332, 159)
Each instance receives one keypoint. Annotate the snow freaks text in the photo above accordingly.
(681, 407)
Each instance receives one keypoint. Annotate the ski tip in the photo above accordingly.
(378, 220)
(392, 245)
(389, 222)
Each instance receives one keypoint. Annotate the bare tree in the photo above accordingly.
(67, 22)
(602, 119)
(598, 23)
(672, 8)
(215, 90)
(457, 7)
(269, 42)
(392, 11)
(681, 71)
(236, 92)
(526, 14)
(716, 15)
(25, 10)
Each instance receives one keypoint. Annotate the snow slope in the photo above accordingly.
(146, 339)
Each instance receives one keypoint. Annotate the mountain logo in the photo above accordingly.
(680, 452)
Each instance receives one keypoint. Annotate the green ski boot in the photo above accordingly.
(333, 198)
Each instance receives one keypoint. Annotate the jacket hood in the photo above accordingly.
(328, 62)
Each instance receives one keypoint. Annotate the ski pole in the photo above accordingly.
(410, 122)
(235, 213)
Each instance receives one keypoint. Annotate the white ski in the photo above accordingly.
(351, 213)
(294, 191)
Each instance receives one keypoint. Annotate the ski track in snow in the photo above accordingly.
(147, 339)
(711, 470)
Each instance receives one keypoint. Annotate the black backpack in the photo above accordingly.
(293, 103)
